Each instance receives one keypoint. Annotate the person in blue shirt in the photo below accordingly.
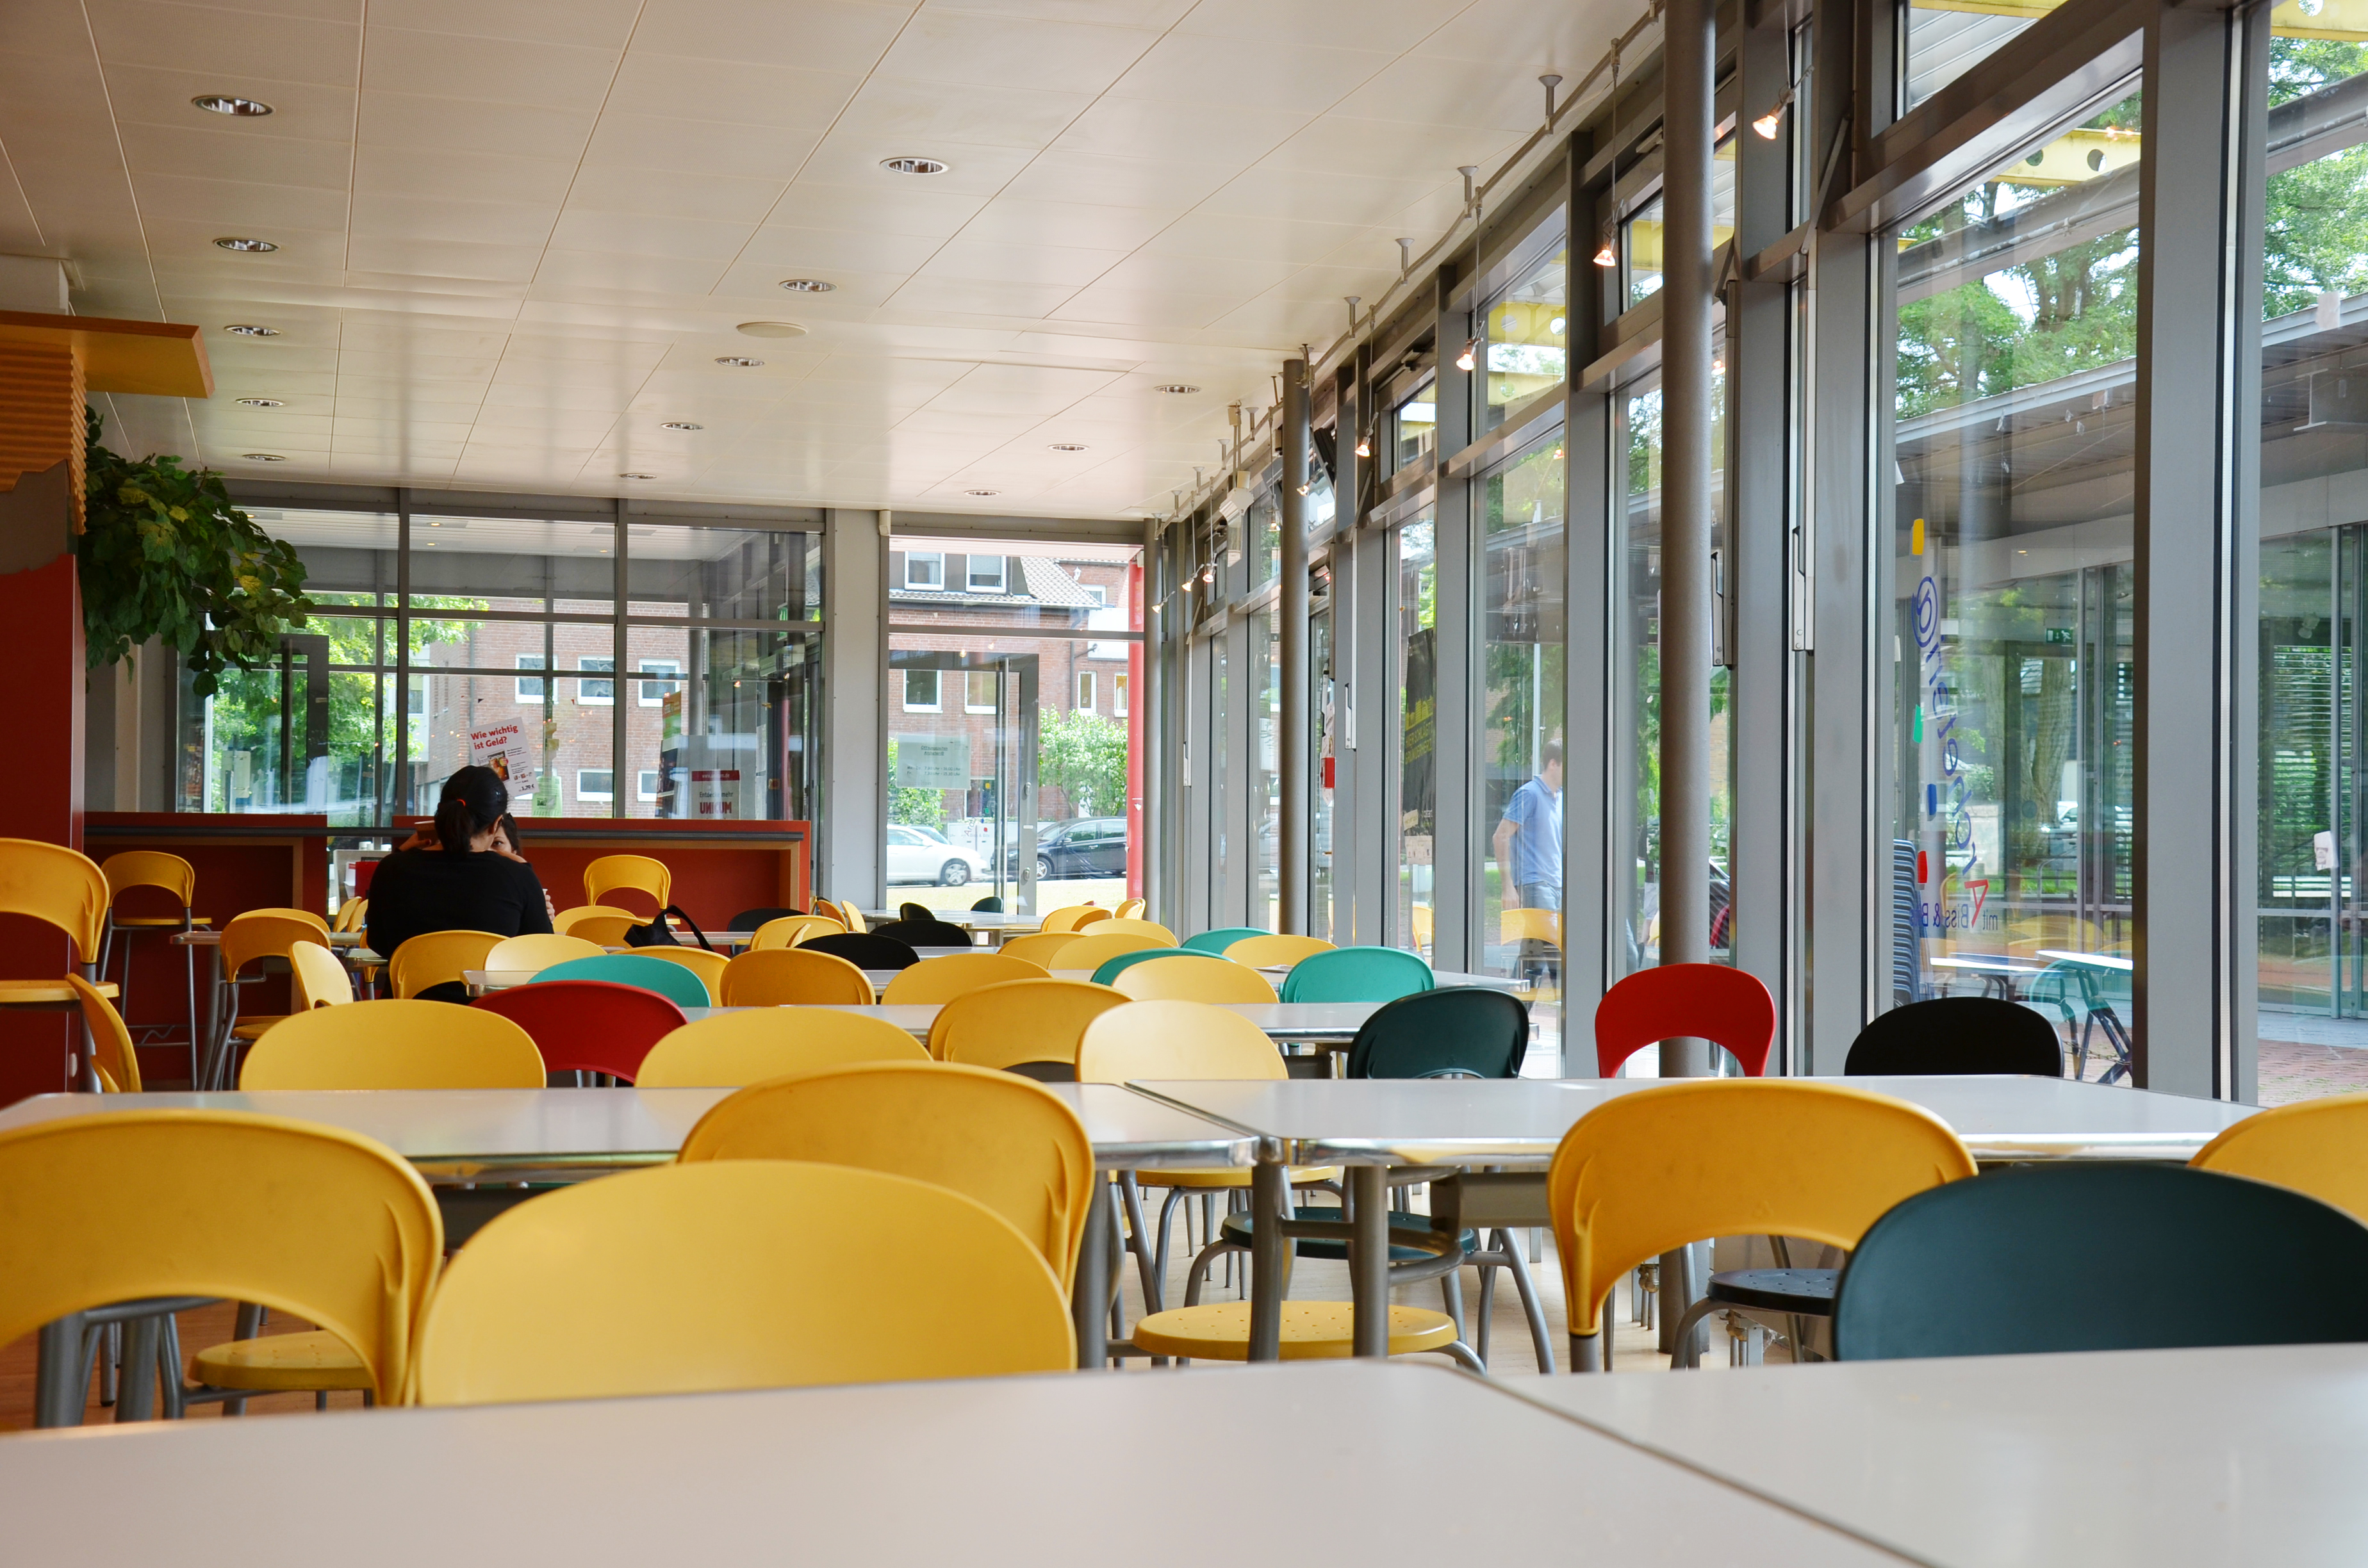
(1529, 841)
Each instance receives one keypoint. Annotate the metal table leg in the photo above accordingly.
(1090, 1301)
(1369, 1259)
(1270, 1259)
(207, 1067)
(57, 1380)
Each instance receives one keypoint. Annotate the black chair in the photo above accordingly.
(1957, 1034)
(920, 913)
(749, 919)
(866, 949)
(2101, 1257)
(1458, 1031)
(931, 933)
(988, 905)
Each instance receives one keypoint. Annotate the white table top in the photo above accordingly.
(2088, 961)
(207, 939)
(1040, 1471)
(1283, 1020)
(1988, 965)
(459, 1135)
(2228, 1456)
(481, 980)
(1519, 1121)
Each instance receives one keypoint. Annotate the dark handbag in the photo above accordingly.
(657, 933)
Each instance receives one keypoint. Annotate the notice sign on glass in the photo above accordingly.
(933, 762)
(500, 746)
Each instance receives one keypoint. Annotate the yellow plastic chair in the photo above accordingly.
(1650, 1172)
(352, 916)
(942, 980)
(600, 925)
(113, 1059)
(779, 977)
(734, 1049)
(1038, 947)
(726, 1274)
(1129, 909)
(1031, 1026)
(790, 930)
(168, 874)
(394, 1045)
(1277, 952)
(436, 958)
(312, 1220)
(633, 873)
(1120, 924)
(318, 922)
(1196, 978)
(536, 952)
(1012, 1145)
(1422, 921)
(708, 966)
(54, 885)
(319, 977)
(1529, 925)
(2313, 1147)
(1091, 951)
(849, 917)
(1072, 916)
(250, 939)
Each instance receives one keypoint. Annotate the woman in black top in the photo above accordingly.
(462, 881)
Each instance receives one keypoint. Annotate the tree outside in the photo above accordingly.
(1083, 755)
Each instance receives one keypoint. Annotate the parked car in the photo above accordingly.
(1090, 847)
(922, 854)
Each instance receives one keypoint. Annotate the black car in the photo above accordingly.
(1090, 847)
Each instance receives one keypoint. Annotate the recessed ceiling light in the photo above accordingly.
(243, 245)
(243, 330)
(1175, 388)
(807, 286)
(263, 457)
(913, 166)
(262, 402)
(738, 361)
(1067, 446)
(771, 329)
(227, 103)
(679, 424)
(637, 476)
(982, 492)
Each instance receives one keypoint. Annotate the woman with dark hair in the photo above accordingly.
(468, 877)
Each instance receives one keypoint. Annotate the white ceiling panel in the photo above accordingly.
(733, 91)
(416, 122)
(599, 24)
(511, 71)
(935, 114)
(949, 46)
(824, 35)
(206, 38)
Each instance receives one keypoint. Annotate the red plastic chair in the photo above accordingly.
(588, 1025)
(1689, 1001)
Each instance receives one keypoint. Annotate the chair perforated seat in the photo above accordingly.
(1809, 1292)
(1238, 1229)
(1312, 1331)
(307, 1363)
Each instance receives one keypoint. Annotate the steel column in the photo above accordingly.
(1369, 1280)
(1295, 845)
(1089, 1296)
(1269, 1254)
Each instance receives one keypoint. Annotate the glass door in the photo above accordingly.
(961, 765)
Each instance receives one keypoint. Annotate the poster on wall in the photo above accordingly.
(501, 746)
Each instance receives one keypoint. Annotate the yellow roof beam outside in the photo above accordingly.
(2074, 158)
(1644, 242)
(2345, 21)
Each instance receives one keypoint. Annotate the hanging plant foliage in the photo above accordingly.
(163, 554)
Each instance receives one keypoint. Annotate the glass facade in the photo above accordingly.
(1413, 654)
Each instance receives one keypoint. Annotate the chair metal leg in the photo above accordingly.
(111, 1362)
(1196, 1275)
(1487, 1308)
(1689, 1343)
(1154, 1277)
(1464, 1357)
(1451, 1293)
(61, 1387)
(168, 1366)
(1531, 1308)
(138, 1400)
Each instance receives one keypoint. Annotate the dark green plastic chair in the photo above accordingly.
(1217, 941)
(671, 981)
(1111, 966)
(1462, 1031)
(1957, 1034)
(987, 905)
(2101, 1257)
(1358, 974)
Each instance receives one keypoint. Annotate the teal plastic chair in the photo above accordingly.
(1358, 974)
(1219, 940)
(1110, 967)
(671, 981)
(1460, 1031)
(2101, 1257)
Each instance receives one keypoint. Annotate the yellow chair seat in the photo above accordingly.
(306, 1362)
(1312, 1331)
(1232, 1175)
(24, 992)
(252, 1028)
(154, 922)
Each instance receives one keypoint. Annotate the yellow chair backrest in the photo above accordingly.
(846, 913)
(321, 977)
(314, 1221)
(352, 916)
(1529, 925)
(394, 1045)
(1070, 916)
(943, 979)
(317, 921)
(1038, 947)
(732, 1049)
(634, 873)
(432, 958)
(610, 919)
(1174, 1039)
(256, 935)
(1422, 920)
(1124, 925)
(1019, 1020)
(1129, 909)
(723, 1275)
(149, 869)
(791, 929)
(1647, 1173)
(536, 952)
(1199, 978)
(708, 966)
(2313, 1147)
(1268, 953)
(1093, 949)
(791, 976)
(1009, 1143)
(116, 1063)
(51, 883)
